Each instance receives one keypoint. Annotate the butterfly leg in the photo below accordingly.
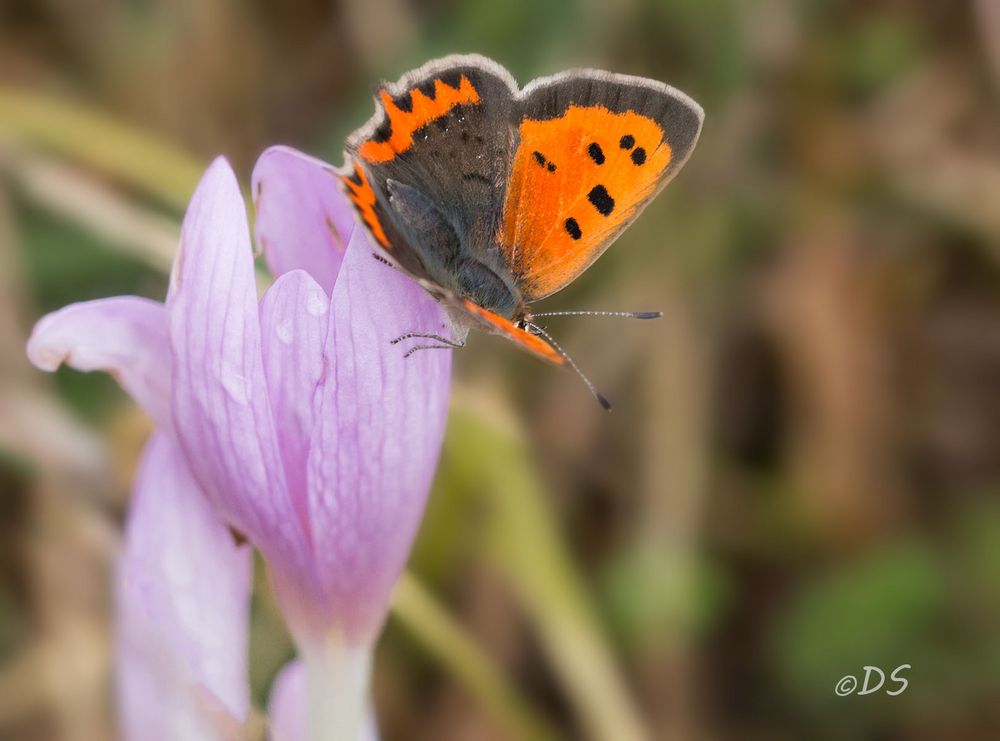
(413, 349)
(427, 336)
(443, 342)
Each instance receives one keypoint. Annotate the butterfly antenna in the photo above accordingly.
(620, 314)
(601, 398)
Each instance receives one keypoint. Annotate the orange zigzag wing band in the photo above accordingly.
(363, 196)
(395, 135)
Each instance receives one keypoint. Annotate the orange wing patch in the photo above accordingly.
(502, 325)
(577, 181)
(420, 108)
(359, 190)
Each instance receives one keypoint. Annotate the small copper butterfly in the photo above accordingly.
(493, 197)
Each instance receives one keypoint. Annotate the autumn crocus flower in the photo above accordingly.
(183, 599)
(297, 420)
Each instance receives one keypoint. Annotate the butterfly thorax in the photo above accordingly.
(460, 256)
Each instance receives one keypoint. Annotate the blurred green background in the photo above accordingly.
(800, 477)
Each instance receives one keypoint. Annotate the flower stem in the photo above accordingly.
(337, 675)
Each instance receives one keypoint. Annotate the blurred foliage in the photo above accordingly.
(142, 161)
(801, 474)
(67, 264)
(434, 628)
(930, 605)
(519, 535)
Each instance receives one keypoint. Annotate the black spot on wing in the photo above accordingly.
(573, 228)
(543, 162)
(404, 102)
(384, 131)
(596, 153)
(427, 88)
(601, 200)
(452, 78)
(638, 155)
(627, 141)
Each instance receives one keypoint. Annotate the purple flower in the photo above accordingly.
(183, 599)
(305, 429)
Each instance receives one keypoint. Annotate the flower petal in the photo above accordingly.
(183, 595)
(287, 707)
(303, 218)
(379, 424)
(293, 318)
(125, 336)
(220, 405)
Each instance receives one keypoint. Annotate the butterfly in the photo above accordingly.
(493, 197)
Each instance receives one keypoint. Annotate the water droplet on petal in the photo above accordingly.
(316, 303)
(235, 385)
(284, 331)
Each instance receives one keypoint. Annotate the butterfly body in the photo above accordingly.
(492, 197)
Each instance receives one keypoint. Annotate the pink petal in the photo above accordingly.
(380, 420)
(293, 317)
(125, 336)
(221, 408)
(183, 597)
(287, 710)
(303, 218)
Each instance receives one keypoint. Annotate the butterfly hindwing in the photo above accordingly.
(429, 168)
(593, 149)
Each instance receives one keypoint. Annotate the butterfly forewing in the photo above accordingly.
(593, 150)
